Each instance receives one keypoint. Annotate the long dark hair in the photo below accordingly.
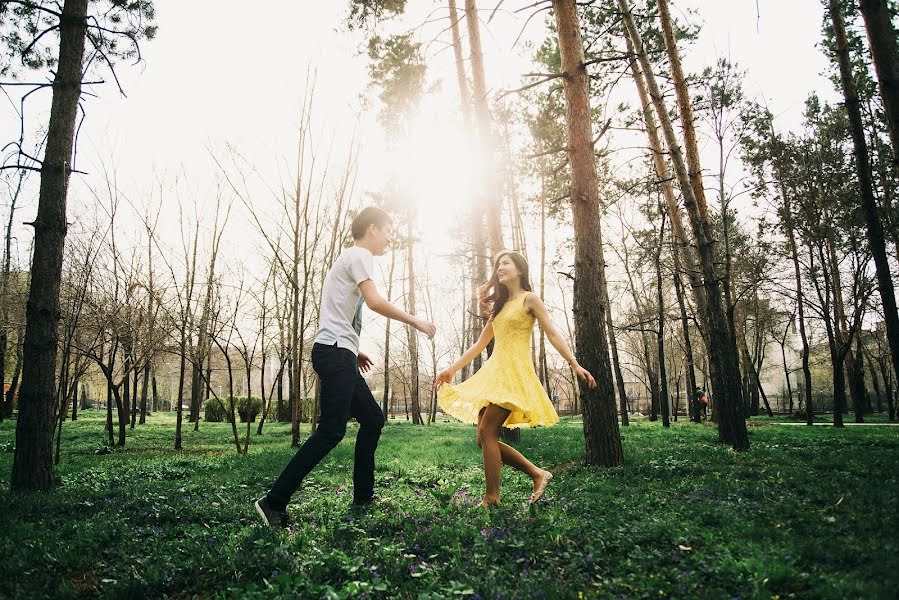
(493, 302)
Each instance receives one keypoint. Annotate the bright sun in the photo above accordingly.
(440, 169)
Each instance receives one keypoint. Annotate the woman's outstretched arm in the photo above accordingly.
(534, 305)
(447, 375)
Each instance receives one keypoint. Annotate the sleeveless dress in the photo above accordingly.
(507, 379)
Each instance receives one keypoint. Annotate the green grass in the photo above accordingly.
(806, 513)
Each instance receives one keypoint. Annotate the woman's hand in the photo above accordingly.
(585, 375)
(444, 377)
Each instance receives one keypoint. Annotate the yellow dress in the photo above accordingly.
(507, 379)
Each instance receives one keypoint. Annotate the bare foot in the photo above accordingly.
(540, 486)
(485, 503)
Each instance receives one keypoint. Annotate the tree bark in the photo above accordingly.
(482, 115)
(541, 357)
(155, 405)
(75, 401)
(693, 409)
(723, 359)
(660, 334)
(601, 433)
(179, 398)
(616, 365)
(134, 403)
(885, 51)
(410, 331)
(17, 371)
(33, 460)
(386, 396)
(873, 225)
(787, 220)
(682, 243)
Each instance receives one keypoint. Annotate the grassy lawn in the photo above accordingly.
(806, 513)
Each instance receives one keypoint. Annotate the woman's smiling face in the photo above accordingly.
(506, 271)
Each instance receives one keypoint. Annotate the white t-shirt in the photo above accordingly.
(340, 321)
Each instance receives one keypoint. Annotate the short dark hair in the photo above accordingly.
(371, 215)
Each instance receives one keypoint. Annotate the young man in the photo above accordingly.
(337, 361)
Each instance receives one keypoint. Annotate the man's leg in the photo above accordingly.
(366, 411)
(335, 367)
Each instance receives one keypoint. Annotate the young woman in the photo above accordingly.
(506, 392)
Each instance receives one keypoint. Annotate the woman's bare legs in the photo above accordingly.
(497, 453)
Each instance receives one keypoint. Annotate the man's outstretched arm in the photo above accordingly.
(380, 305)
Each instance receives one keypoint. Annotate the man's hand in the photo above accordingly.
(363, 362)
(444, 377)
(426, 327)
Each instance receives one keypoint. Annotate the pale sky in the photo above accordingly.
(223, 74)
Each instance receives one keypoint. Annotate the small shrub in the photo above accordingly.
(285, 416)
(248, 408)
(215, 411)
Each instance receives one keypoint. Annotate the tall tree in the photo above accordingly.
(485, 134)
(32, 464)
(601, 433)
(873, 224)
(385, 400)
(660, 334)
(882, 38)
(723, 360)
(764, 149)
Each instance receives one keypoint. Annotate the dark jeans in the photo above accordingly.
(344, 394)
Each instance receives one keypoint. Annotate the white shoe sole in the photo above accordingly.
(261, 513)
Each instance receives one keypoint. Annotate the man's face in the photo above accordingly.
(381, 237)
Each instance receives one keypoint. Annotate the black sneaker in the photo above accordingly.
(271, 517)
(368, 500)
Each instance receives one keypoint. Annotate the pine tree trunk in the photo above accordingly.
(17, 371)
(723, 359)
(660, 334)
(482, 115)
(841, 328)
(885, 70)
(194, 412)
(888, 384)
(155, 405)
(681, 239)
(541, 356)
(126, 389)
(33, 461)
(878, 393)
(616, 365)
(601, 433)
(692, 408)
(111, 439)
(882, 38)
(3, 344)
(386, 396)
(182, 372)
(280, 387)
(410, 331)
(787, 217)
(857, 382)
(143, 393)
(134, 404)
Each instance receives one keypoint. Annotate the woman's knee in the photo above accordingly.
(486, 433)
